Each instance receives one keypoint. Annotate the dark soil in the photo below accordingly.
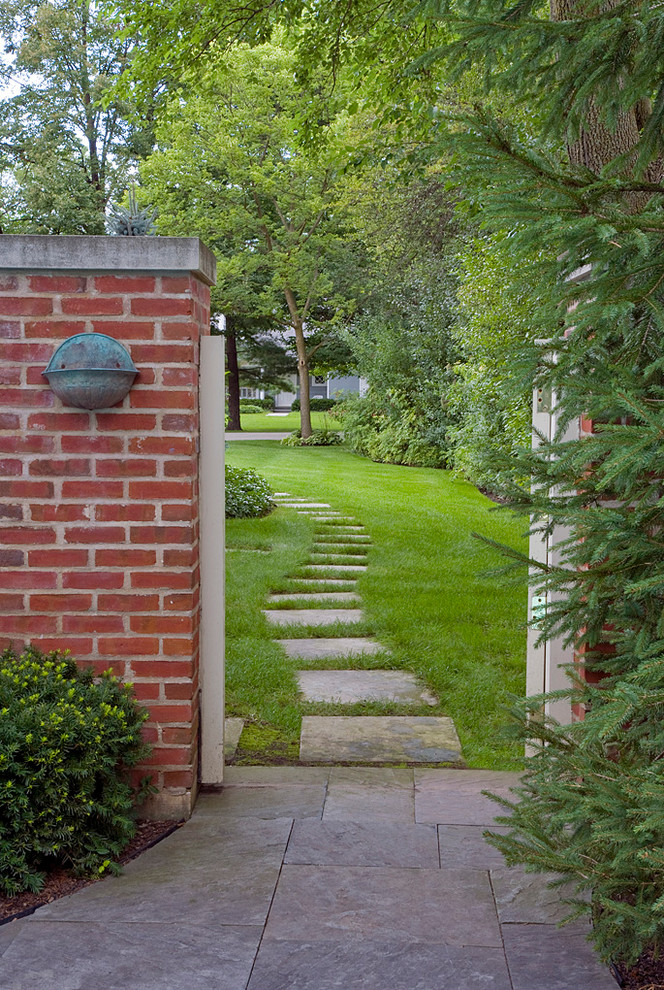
(61, 882)
(646, 974)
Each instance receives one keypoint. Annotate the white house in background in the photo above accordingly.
(321, 387)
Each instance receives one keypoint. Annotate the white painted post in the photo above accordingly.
(212, 537)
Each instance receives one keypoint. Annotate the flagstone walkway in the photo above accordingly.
(314, 878)
(338, 557)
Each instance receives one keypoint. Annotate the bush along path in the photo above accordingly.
(321, 626)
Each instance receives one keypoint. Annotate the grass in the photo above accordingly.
(428, 594)
(262, 423)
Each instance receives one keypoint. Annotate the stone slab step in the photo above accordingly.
(343, 539)
(338, 558)
(351, 568)
(337, 646)
(379, 739)
(350, 686)
(305, 505)
(330, 581)
(316, 596)
(232, 731)
(312, 616)
(342, 530)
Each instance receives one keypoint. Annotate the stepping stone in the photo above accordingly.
(338, 646)
(343, 539)
(282, 495)
(232, 731)
(308, 581)
(316, 596)
(312, 616)
(378, 739)
(343, 530)
(305, 505)
(334, 567)
(339, 558)
(349, 686)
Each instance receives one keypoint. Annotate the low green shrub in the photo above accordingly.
(247, 494)
(318, 438)
(65, 743)
(251, 407)
(388, 430)
(316, 405)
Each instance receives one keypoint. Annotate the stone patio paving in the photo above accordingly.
(311, 878)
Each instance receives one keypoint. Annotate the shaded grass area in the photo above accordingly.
(428, 594)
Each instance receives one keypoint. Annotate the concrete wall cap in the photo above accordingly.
(103, 253)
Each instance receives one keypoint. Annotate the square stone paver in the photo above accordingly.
(137, 956)
(363, 843)
(284, 801)
(315, 596)
(312, 616)
(211, 873)
(349, 686)
(454, 797)
(337, 646)
(372, 964)
(544, 957)
(527, 898)
(379, 739)
(370, 794)
(320, 904)
(465, 845)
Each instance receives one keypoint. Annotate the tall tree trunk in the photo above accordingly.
(303, 375)
(233, 380)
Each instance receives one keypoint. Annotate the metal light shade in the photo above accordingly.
(91, 371)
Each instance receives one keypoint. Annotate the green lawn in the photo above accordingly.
(262, 423)
(427, 593)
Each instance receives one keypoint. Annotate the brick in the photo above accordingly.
(91, 445)
(28, 534)
(34, 375)
(11, 603)
(178, 778)
(93, 623)
(125, 557)
(181, 647)
(123, 284)
(21, 397)
(180, 690)
(150, 734)
(157, 307)
(11, 467)
(161, 756)
(96, 580)
(127, 330)
(14, 512)
(160, 534)
(64, 512)
(164, 580)
(8, 283)
(9, 421)
(161, 445)
(91, 306)
(180, 512)
(57, 283)
(126, 421)
(54, 328)
(79, 647)
(66, 467)
(27, 444)
(146, 691)
(94, 534)
(179, 423)
(10, 376)
(57, 558)
(93, 489)
(25, 306)
(157, 490)
(180, 558)
(177, 734)
(173, 284)
(60, 603)
(180, 602)
(166, 714)
(146, 376)
(180, 331)
(30, 580)
(10, 329)
(27, 353)
(176, 668)
(59, 422)
(128, 603)
(128, 646)
(130, 467)
(160, 399)
(160, 625)
(132, 512)
(24, 488)
(30, 625)
(159, 354)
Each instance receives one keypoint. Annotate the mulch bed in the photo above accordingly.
(61, 882)
(646, 974)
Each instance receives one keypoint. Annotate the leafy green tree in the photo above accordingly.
(231, 166)
(65, 146)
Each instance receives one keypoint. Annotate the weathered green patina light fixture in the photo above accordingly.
(91, 371)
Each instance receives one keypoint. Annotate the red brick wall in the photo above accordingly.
(99, 519)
